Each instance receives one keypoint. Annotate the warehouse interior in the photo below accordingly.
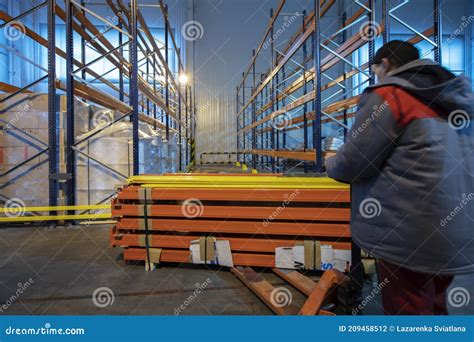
(212, 117)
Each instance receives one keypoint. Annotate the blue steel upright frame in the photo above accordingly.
(267, 102)
(74, 16)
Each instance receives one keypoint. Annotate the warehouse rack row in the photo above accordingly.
(148, 89)
(285, 112)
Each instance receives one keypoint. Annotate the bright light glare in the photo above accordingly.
(183, 79)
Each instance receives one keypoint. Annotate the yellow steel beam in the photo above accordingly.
(55, 218)
(271, 182)
(56, 208)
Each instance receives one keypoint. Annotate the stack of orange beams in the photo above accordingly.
(255, 213)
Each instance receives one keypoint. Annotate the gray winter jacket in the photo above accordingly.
(410, 159)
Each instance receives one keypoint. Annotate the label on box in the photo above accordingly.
(293, 258)
(222, 253)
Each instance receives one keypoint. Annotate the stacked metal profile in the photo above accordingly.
(161, 215)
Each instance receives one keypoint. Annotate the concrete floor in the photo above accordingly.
(68, 264)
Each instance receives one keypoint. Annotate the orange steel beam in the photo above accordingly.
(329, 280)
(180, 256)
(303, 195)
(297, 155)
(267, 32)
(236, 212)
(8, 88)
(309, 75)
(320, 230)
(238, 244)
(299, 281)
(263, 290)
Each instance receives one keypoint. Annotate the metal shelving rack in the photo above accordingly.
(147, 96)
(262, 139)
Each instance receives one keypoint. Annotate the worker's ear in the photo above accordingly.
(386, 65)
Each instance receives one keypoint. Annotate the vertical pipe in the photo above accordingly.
(167, 82)
(52, 107)
(437, 31)
(70, 157)
(134, 85)
(317, 134)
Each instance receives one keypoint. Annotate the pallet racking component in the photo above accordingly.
(75, 15)
(336, 107)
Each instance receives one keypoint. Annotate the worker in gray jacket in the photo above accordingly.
(410, 159)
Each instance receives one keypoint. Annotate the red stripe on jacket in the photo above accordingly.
(404, 106)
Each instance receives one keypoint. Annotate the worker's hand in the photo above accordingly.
(328, 155)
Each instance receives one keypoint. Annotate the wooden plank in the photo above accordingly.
(265, 291)
(320, 230)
